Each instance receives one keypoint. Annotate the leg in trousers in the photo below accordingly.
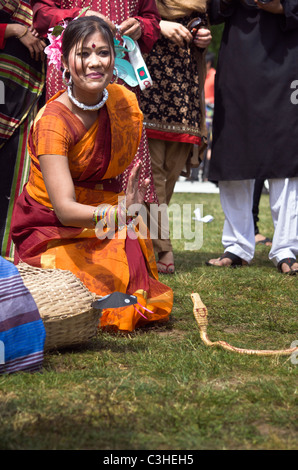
(284, 209)
(238, 232)
(167, 160)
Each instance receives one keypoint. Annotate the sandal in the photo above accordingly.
(265, 241)
(236, 261)
(164, 268)
(289, 262)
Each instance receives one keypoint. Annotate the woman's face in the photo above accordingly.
(91, 67)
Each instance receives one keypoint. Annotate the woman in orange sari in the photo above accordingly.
(80, 142)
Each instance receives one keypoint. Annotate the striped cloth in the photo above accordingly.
(22, 333)
(22, 78)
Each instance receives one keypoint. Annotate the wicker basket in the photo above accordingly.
(64, 304)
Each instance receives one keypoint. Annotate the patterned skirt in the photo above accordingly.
(173, 107)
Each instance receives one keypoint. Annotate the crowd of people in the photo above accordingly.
(83, 150)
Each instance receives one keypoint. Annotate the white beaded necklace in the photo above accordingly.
(85, 107)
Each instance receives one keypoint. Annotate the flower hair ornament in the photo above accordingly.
(55, 35)
(54, 49)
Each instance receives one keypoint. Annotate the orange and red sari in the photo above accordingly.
(96, 158)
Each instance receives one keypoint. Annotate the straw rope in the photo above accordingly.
(201, 315)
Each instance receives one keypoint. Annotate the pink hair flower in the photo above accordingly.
(54, 49)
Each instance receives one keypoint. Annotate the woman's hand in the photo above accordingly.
(95, 13)
(203, 38)
(134, 193)
(34, 44)
(274, 7)
(33, 31)
(176, 32)
(28, 37)
(132, 28)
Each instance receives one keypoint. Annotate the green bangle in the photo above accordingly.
(95, 216)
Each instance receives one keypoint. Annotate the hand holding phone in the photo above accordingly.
(271, 6)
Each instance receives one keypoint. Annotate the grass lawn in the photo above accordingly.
(161, 388)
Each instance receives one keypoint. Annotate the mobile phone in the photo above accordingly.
(194, 26)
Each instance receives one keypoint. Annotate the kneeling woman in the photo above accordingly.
(80, 142)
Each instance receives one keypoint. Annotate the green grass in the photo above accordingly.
(161, 388)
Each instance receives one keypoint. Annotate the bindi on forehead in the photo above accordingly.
(95, 39)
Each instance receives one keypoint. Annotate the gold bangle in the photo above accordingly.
(23, 34)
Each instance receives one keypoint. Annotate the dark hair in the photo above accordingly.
(78, 30)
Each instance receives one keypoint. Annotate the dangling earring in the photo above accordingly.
(115, 79)
(64, 79)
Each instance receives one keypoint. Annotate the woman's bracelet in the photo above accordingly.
(112, 216)
(95, 217)
(23, 34)
(103, 213)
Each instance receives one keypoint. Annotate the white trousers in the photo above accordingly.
(238, 232)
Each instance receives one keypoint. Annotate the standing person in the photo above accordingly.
(253, 126)
(209, 101)
(71, 214)
(258, 189)
(22, 75)
(174, 112)
(138, 19)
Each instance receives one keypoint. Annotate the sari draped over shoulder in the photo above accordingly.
(96, 158)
